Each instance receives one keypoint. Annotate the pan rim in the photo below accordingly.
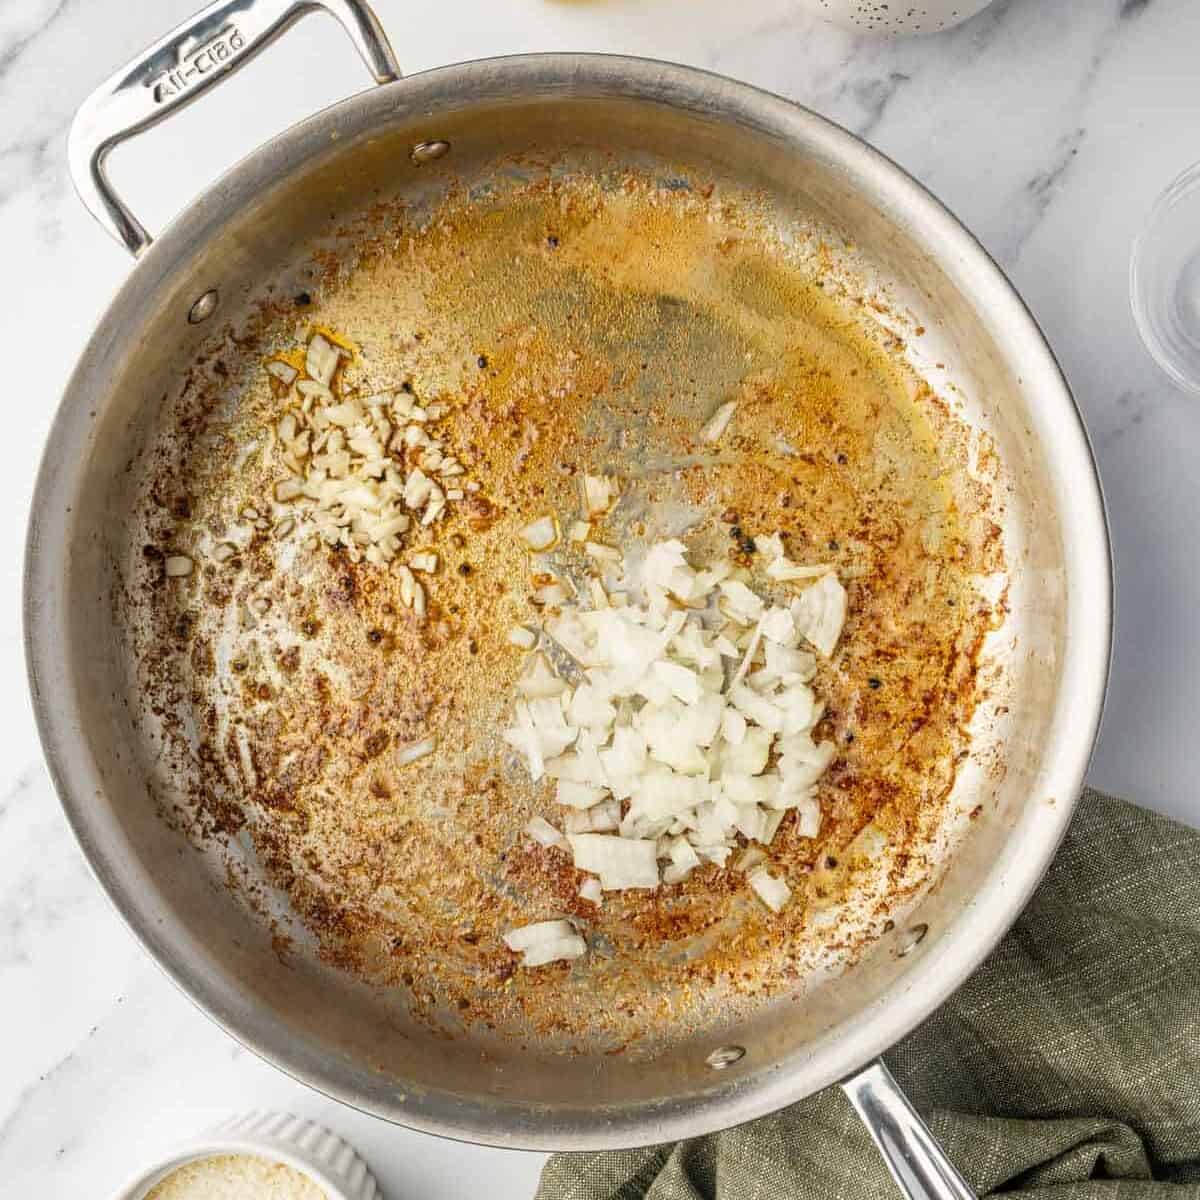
(529, 1126)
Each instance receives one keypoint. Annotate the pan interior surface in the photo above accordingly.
(572, 304)
(578, 323)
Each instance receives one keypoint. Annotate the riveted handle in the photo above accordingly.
(917, 1163)
(183, 65)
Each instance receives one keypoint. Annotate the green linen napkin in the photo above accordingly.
(1067, 1067)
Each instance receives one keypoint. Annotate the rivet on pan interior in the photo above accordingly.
(725, 1056)
(427, 152)
(911, 939)
(204, 307)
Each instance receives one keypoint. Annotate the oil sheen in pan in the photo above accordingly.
(569, 326)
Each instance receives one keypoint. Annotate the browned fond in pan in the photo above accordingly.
(570, 322)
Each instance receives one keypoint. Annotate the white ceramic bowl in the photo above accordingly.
(911, 16)
(310, 1148)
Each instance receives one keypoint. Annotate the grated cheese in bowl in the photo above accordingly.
(236, 1177)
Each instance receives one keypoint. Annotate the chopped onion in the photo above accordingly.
(321, 359)
(624, 761)
(605, 817)
(726, 648)
(756, 708)
(520, 636)
(551, 596)
(770, 546)
(550, 725)
(579, 531)
(740, 788)
(598, 494)
(820, 612)
(771, 822)
(288, 489)
(750, 822)
(407, 586)
(785, 571)
(675, 874)
(345, 414)
(602, 553)
(808, 819)
(666, 793)
(779, 627)
(774, 893)
(789, 664)
(682, 681)
(733, 726)
(682, 855)
(718, 422)
(418, 489)
(415, 750)
(660, 726)
(546, 941)
(540, 534)
(583, 766)
(578, 795)
(523, 738)
(665, 570)
(539, 680)
(798, 705)
(577, 821)
(656, 754)
(282, 371)
(590, 708)
(749, 756)
(554, 951)
(530, 935)
(543, 832)
(801, 761)
(750, 654)
(741, 604)
(750, 858)
(620, 862)
(314, 389)
(591, 891)
(714, 854)
(177, 566)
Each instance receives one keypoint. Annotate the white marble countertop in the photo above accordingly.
(1049, 128)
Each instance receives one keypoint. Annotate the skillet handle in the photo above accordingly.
(176, 70)
(917, 1163)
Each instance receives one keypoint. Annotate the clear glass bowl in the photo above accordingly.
(1164, 280)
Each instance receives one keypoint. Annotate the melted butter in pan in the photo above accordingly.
(573, 328)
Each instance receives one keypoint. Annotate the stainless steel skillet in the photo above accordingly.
(325, 1028)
